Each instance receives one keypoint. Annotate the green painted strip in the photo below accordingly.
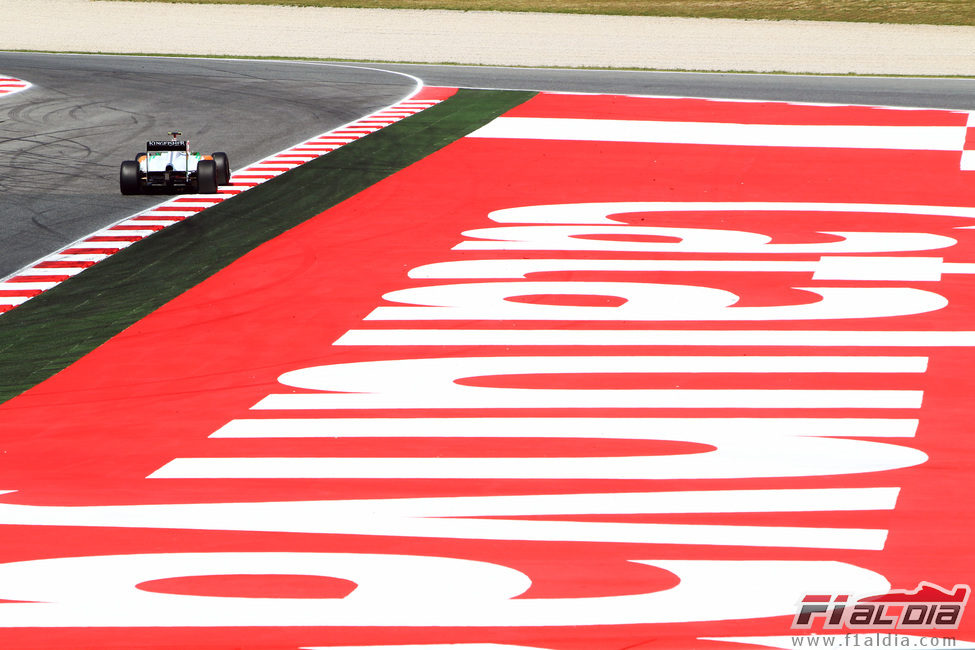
(50, 332)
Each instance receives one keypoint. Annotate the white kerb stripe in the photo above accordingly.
(929, 138)
(27, 286)
(56, 271)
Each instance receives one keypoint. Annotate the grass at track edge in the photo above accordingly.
(53, 330)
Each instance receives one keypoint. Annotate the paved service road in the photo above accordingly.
(62, 141)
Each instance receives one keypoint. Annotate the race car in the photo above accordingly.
(170, 166)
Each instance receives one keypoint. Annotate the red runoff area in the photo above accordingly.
(92, 434)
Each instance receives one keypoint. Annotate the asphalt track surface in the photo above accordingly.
(61, 142)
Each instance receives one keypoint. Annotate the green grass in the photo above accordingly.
(53, 330)
(931, 12)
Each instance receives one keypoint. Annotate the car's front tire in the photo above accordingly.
(206, 177)
(223, 167)
(128, 177)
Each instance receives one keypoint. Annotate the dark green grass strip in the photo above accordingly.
(48, 333)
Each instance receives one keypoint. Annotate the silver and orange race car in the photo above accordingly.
(170, 166)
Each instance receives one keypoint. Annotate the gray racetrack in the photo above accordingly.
(61, 142)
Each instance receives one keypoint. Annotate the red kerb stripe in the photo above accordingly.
(39, 278)
(101, 238)
(24, 293)
(91, 251)
(154, 228)
(157, 217)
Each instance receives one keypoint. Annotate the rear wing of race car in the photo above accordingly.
(167, 145)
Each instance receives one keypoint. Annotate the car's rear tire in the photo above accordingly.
(206, 177)
(128, 177)
(223, 167)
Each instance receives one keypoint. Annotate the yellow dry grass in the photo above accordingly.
(931, 12)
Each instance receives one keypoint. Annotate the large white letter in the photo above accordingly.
(432, 384)
(688, 240)
(497, 518)
(644, 301)
(398, 591)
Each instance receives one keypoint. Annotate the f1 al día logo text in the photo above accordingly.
(928, 607)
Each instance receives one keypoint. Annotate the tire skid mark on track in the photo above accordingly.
(74, 258)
